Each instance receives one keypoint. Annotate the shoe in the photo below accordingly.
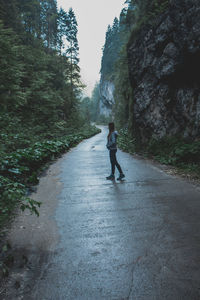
(121, 176)
(111, 177)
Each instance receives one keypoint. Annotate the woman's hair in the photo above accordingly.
(111, 127)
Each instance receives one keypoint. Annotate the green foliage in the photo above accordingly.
(103, 120)
(14, 194)
(114, 65)
(72, 50)
(90, 106)
(111, 49)
(39, 107)
(36, 82)
(170, 150)
(95, 100)
(10, 70)
(123, 91)
(142, 13)
(126, 142)
(20, 169)
(86, 106)
(175, 150)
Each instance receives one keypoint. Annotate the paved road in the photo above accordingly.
(136, 239)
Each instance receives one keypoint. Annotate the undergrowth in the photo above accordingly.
(174, 151)
(19, 169)
(22, 161)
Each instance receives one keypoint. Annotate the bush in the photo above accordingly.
(20, 169)
(126, 142)
(169, 150)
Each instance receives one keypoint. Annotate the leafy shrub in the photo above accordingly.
(170, 150)
(174, 150)
(13, 194)
(126, 142)
(19, 170)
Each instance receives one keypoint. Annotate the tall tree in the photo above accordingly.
(11, 71)
(49, 17)
(36, 83)
(62, 29)
(9, 14)
(111, 49)
(30, 12)
(95, 99)
(72, 50)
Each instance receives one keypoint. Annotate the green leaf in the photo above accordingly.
(15, 171)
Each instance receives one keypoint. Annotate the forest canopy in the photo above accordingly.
(40, 76)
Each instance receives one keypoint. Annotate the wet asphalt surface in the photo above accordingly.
(135, 239)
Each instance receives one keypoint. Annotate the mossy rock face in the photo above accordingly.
(164, 68)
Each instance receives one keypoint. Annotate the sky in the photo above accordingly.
(93, 17)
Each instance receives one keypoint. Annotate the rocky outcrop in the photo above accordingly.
(164, 68)
(106, 97)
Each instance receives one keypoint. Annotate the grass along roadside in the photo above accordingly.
(179, 154)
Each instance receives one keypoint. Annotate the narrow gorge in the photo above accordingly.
(163, 62)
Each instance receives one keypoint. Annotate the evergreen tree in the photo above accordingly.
(110, 50)
(123, 91)
(37, 84)
(49, 17)
(9, 14)
(114, 64)
(86, 108)
(90, 106)
(95, 99)
(11, 71)
(62, 29)
(36, 107)
(72, 50)
(30, 12)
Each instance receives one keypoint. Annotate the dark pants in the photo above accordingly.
(114, 162)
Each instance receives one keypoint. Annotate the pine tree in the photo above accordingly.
(72, 50)
(37, 84)
(11, 71)
(49, 17)
(30, 12)
(62, 29)
(95, 99)
(111, 49)
(9, 14)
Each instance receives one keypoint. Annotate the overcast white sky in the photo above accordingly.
(93, 17)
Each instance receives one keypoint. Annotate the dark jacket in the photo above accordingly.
(112, 141)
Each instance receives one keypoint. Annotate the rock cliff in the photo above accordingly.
(164, 69)
(106, 97)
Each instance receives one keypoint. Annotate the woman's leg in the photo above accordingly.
(118, 166)
(114, 162)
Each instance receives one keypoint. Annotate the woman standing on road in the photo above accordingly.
(112, 147)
